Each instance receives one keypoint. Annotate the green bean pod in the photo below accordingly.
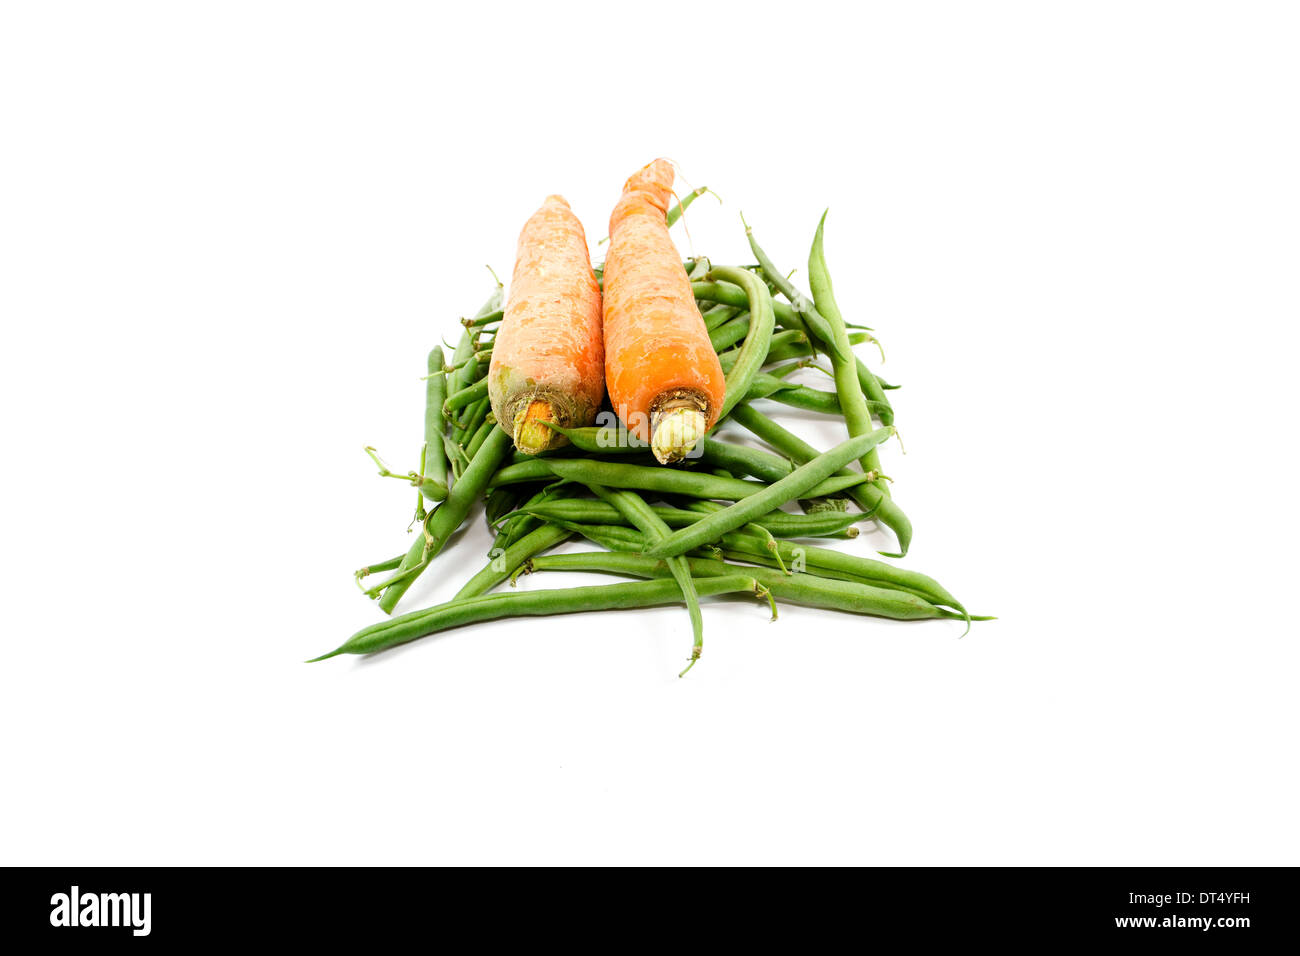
(435, 393)
(491, 607)
(839, 595)
(839, 564)
(442, 523)
(829, 524)
(813, 319)
(758, 339)
(480, 435)
(503, 564)
(868, 496)
(655, 478)
(683, 204)
(719, 315)
(800, 483)
(726, 293)
(468, 395)
(853, 402)
(633, 508)
(730, 332)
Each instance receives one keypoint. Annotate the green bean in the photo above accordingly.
(838, 564)
(501, 502)
(767, 384)
(810, 589)
(873, 392)
(757, 342)
(539, 469)
(809, 399)
(825, 331)
(455, 455)
(435, 393)
(813, 319)
(526, 523)
(730, 332)
(501, 564)
(750, 529)
(799, 349)
(868, 497)
(375, 568)
(480, 435)
(465, 349)
(482, 357)
(483, 319)
(729, 294)
(683, 204)
(719, 315)
(599, 440)
(853, 402)
(448, 517)
(474, 416)
(491, 607)
(885, 385)
(822, 562)
(741, 459)
(468, 395)
(460, 356)
(633, 508)
(781, 523)
(798, 484)
(656, 478)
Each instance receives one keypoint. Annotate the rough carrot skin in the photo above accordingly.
(657, 351)
(548, 358)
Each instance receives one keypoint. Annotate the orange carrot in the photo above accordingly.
(548, 357)
(663, 376)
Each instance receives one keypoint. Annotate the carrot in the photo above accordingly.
(548, 358)
(663, 376)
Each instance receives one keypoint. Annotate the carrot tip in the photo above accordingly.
(676, 433)
(533, 433)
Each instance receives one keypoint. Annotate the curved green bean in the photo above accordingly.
(758, 340)
(728, 294)
(853, 402)
(491, 607)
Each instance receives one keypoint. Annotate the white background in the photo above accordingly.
(230, 232)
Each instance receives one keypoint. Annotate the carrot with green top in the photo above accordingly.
(548, 358)
(662, 373)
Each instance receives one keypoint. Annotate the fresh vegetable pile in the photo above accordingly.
(669, 350)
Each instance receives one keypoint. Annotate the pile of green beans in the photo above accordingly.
(723, 521)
